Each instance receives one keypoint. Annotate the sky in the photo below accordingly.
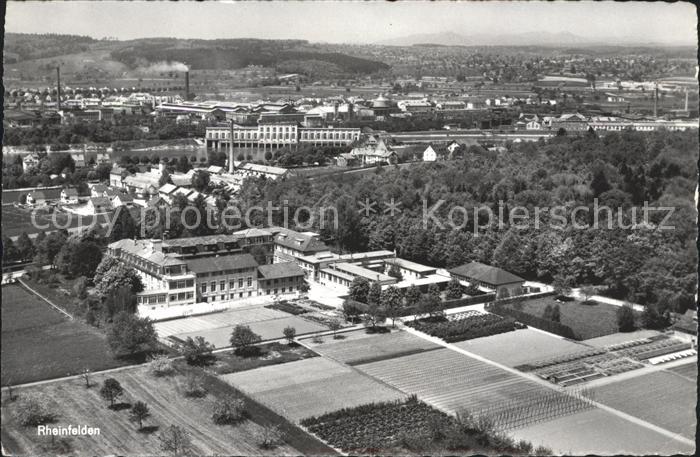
(356, 21)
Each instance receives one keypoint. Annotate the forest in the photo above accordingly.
(621, 170)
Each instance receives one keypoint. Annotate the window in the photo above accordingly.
(189, 283)
(213, 286)
(240, 283)
(283, 290)
(222, 285)
(172, 284)
(232, 284)
(240, 295)
(223, 297)
(173, 297)
(250, 281)
(161, 298)
(204, 288)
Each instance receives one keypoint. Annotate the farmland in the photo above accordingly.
(268, 354)
(662, 398)
(168, 405)
(519, 347)
(464, 326)
(689, 370)
(310, 387)
(455, 383)
(39, 343)
(601, 433)
(358, 347)
(587, 321)
(217, 327)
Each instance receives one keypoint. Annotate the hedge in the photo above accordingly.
(535, 321)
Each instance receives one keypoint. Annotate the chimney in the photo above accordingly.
(58, 88)
(230, 149)
(187, 85)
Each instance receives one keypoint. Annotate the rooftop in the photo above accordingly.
(221, 263)
(486, 273)
(280, 270)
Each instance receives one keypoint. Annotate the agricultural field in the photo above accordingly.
(267, 354)
(620, 338)
(464, 326)
(40, 343)
(520, 347)
(587, 321)
(75, 404)
(358, 346)
(310, 387)
(600, 432)
(661, 398)
(689, 370)
(455, 382)
(217, 327)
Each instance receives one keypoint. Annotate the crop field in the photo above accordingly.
(661, 398)
(519, 347)
(40, 343)
(456, 383)
(689, 370)
(600, 432)
(464, 326)
(587, 321)
(620, 338)
(167, 403)
(360, 347)
(310, 387)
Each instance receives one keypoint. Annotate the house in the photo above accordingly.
(69, 195)
(215, 170)
(122, 199)
(30, 161)
(78, 159)
(98, 190)
(167, 192)
(98, 205)
(454, 148)
(280, 278)
(374, 152)
(346, 159)
(36, 198)
(102, 157)
(435, 152)
(116, 176)
(505, 284)
(614, 98)
(182, 179)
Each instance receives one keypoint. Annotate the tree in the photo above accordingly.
(304, 287)
(242, 338)
(654, 320)
(139, 412)
(454, 289)
(85, 374)
(123, 226)
(289, 333)
(334, 325)
(200, 180)
(434, 291)
(259, 253)
(194, 386)
(164, 179)
(587, 292)
(547, 313)
(562, 285)
(625, 319)
(268, 436)
(25, 247)
(228, 410)
(395, 272)
(375, 314)
(359, 289)
(599, 183)
(130, 335)
(352, 309)
(160, 365)
(111, 390)
(112, 274)
(430, 306)
(412, 296)
(78, 257)
(10, 252)
(556, 314)
(175, 439)
(392, 302)
(197, 351)
(375, 293)
(33, 410)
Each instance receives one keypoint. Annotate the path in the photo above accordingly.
(531, 377)
(576, 293)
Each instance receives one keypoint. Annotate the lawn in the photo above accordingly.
(689, 370)
(519, 347)
(62, 295)
(358, 346)
(455, 382)
(268, 354)
(40, 343)
(167, 404)
(587, 321)
(662, 398)
(310, 387)
(599, 432)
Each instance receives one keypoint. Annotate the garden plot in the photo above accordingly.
(620, 338)
(267, 329)
(360, 347)
(311, 387)
(216, 320)
(661, 398)
(520, 347)
(600, 432)
(463, 326)
(456, 383)
(689, 371)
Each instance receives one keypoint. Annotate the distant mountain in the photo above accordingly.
(507, 39)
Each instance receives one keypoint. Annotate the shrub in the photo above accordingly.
(197, 351)
(242, 338)
(32, 410)
(194, 386)
(289, 333)
(625, 319)
(268, 437)
(174, 439)
(464, 326)
(228, 411)
(160, 365)
(111, 390)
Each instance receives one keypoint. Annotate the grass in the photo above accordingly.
(269, 354)
(586, 320)
(310, 387)
(39, 343)
(662, 398)
(61, 294)
(168, 405)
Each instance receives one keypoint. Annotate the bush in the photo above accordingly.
(464, 326)
(268, 437)
(625, 319)
(194, 386)
(160, 365)
(33, 410)
(228, 411)
(243, 338)
(287, 307)
(197, 351)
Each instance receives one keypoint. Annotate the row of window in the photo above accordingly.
(225, 272)
(222, 284)
(181, 284)
(267, 134)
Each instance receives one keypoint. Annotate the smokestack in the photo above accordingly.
(230, 150)
(187, 86)
(656, 98)
(58, 88)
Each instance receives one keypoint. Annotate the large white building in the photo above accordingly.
(272, 136)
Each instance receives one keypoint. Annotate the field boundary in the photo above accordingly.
(58, 308)
(383, 357)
